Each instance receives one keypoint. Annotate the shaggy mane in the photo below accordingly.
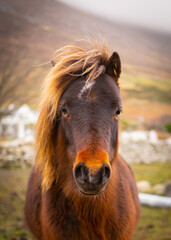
(70, 63)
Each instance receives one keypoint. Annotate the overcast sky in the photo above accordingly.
(153, 14)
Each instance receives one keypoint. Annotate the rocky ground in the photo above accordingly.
(146, 152)
(16, 153)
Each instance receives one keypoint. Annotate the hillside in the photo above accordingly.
(38, 28)
(42, 26)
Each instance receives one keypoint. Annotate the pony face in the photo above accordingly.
(89, 120)
(78, 122)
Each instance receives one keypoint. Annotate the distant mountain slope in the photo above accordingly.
(42, 26)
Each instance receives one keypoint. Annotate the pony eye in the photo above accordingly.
(64, 111)
(118, 112)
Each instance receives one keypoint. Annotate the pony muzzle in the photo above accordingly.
(92, 172)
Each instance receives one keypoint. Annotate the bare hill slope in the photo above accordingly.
(42, 26)
(32, 30)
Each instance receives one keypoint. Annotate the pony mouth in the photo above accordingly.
(91, 192)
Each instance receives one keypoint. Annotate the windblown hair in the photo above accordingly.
(70, 63)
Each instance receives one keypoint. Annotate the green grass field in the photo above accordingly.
(155, 223)
(12, 193)
(154, 173)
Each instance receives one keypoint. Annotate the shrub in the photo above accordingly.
(168, 127)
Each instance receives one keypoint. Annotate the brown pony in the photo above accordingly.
(80, 188)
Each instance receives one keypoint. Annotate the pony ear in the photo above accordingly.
(113, 65)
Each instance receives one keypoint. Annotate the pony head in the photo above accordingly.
(77, 129)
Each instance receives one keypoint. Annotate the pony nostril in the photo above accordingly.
(105, 172)
(78, 172)
(81, 172)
